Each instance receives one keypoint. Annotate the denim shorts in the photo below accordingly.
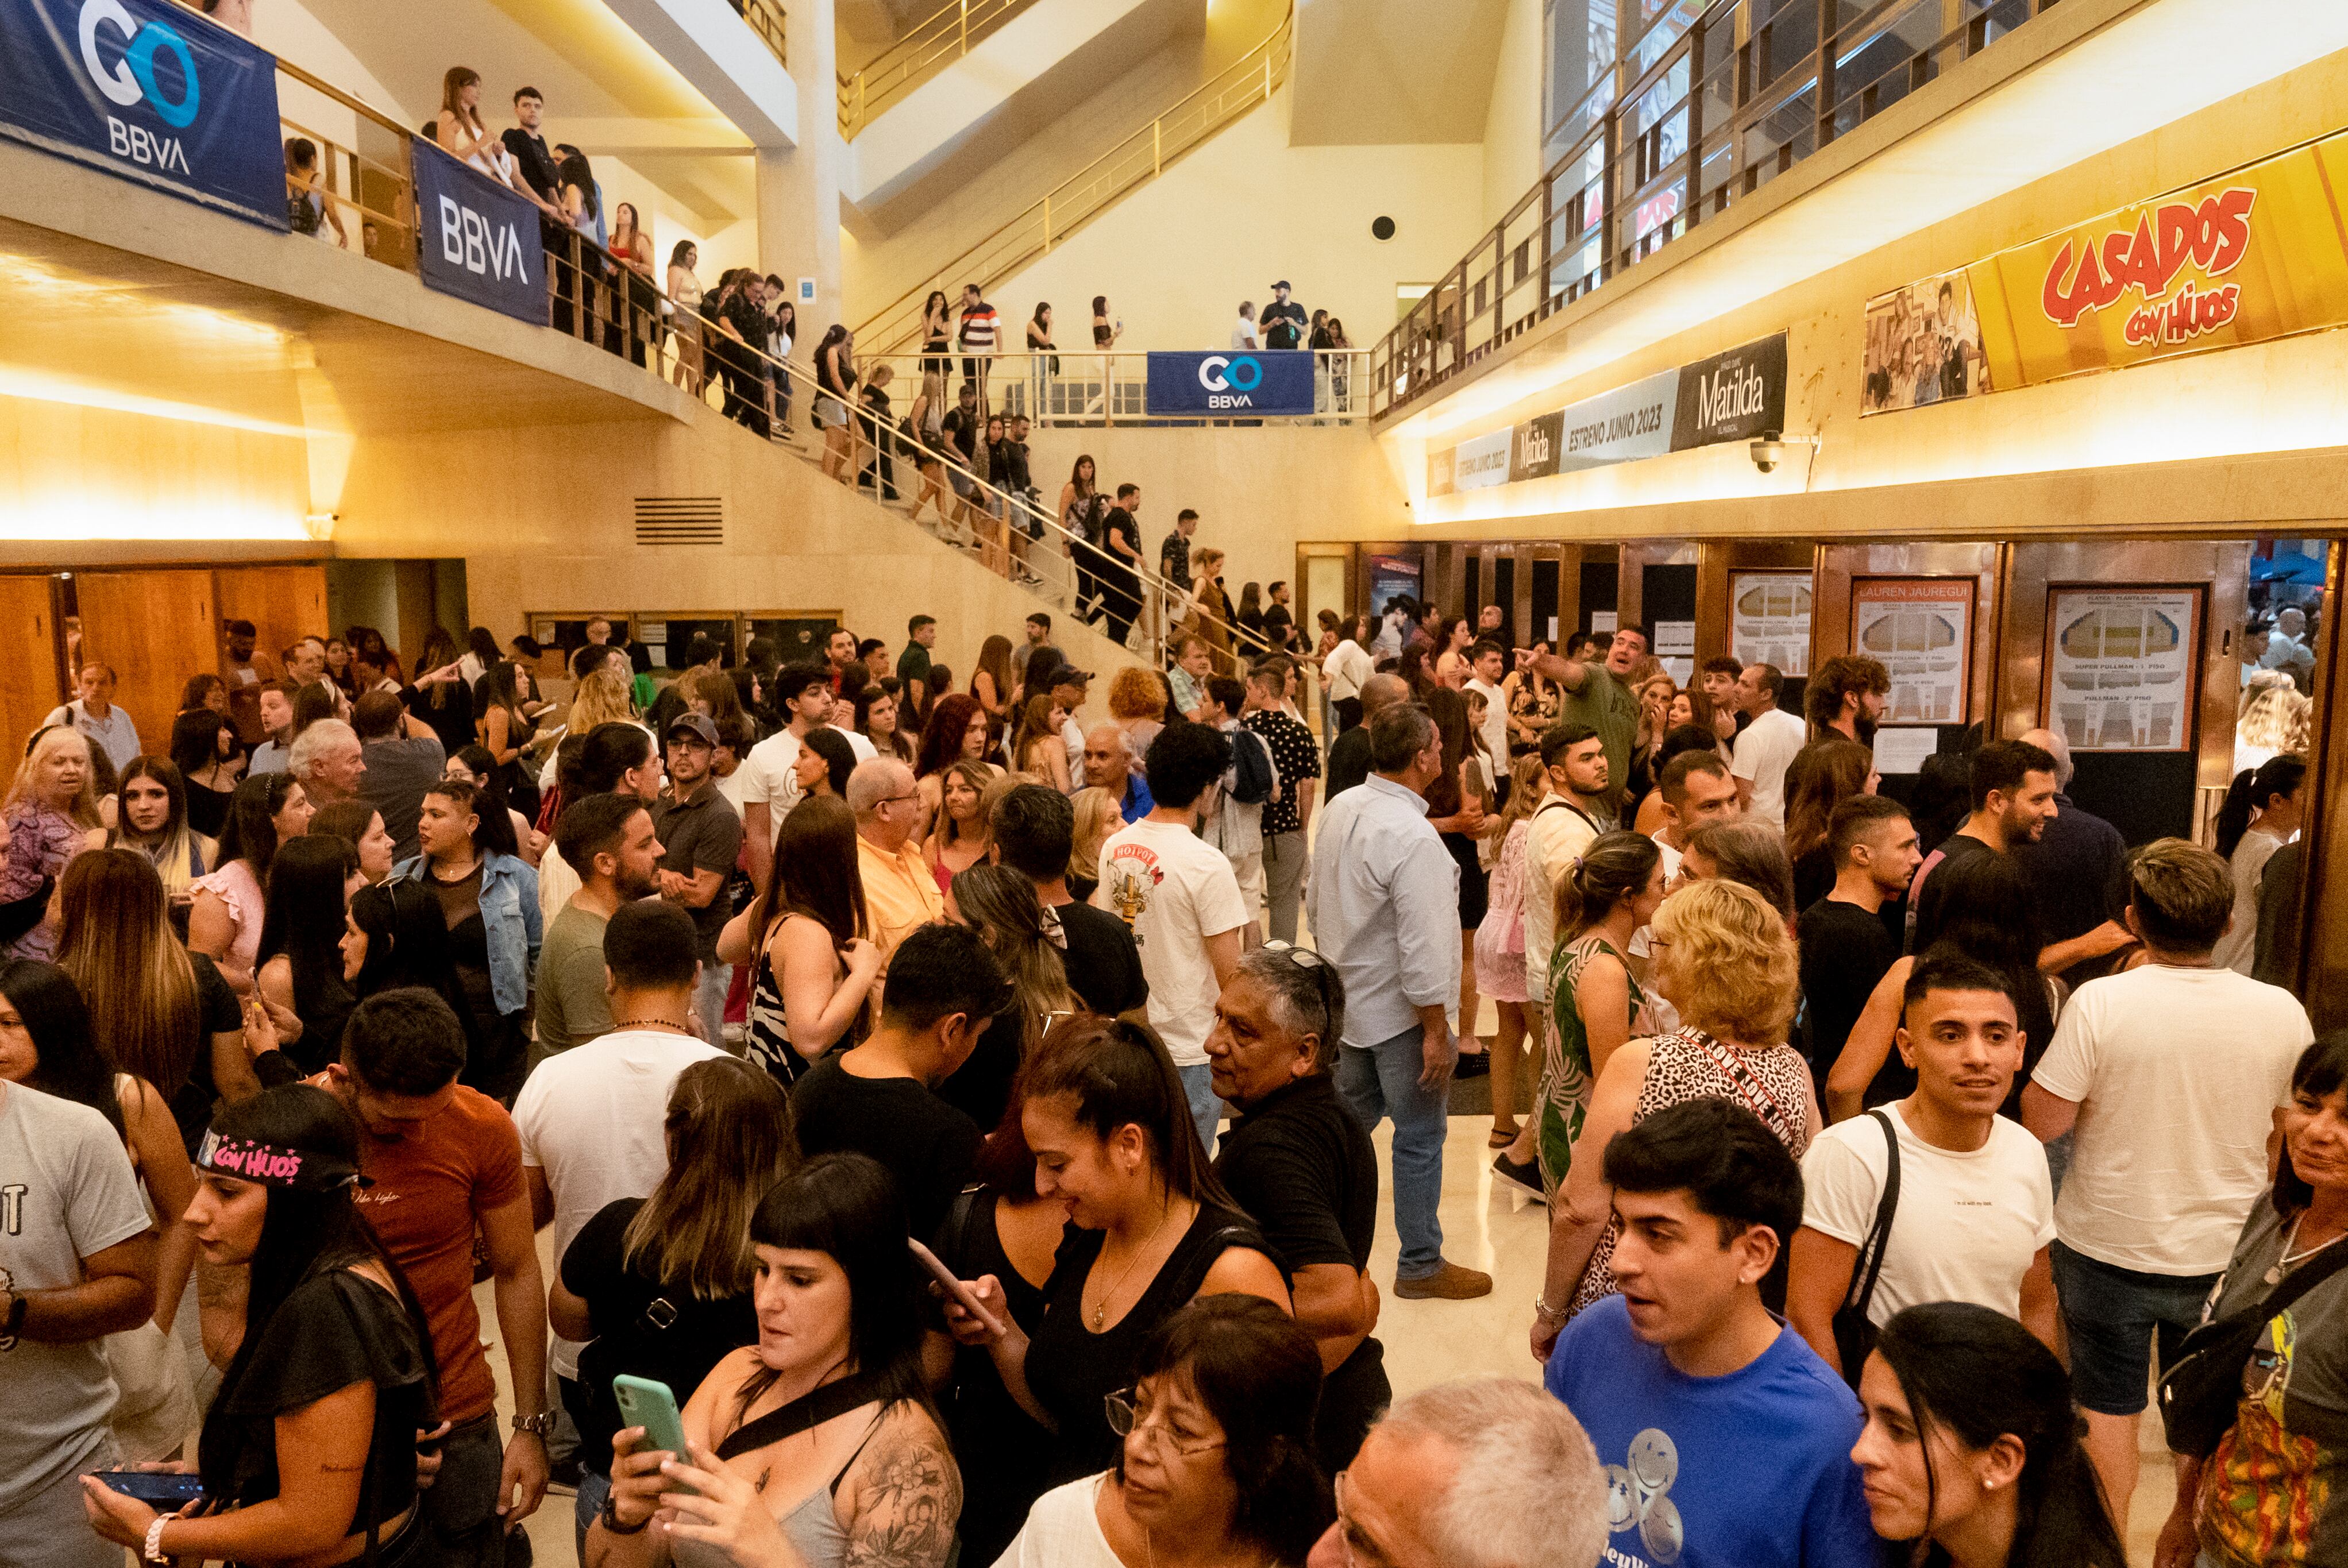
(2119, 1320)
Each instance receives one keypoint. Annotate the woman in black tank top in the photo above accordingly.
(1149, 1229)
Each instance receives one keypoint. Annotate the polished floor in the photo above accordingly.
(1426, 1342)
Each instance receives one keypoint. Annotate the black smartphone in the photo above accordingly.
(163, 1487)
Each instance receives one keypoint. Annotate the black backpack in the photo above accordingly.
(1251, 771)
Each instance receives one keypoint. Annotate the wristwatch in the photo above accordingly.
(1546, 1313)
(537, 1426)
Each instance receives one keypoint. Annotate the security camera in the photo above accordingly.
(1769, 451)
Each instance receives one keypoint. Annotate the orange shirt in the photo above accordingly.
(900, 892)
(428, 1190)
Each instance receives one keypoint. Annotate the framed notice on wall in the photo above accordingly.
(1922, 630)
(1769, 620)
(2123, 666)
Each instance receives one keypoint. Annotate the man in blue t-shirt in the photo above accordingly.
(1726, 1440)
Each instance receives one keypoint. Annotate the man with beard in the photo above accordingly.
(609, 840)
(1845, 694)
(1598, 693)
(2013, 785)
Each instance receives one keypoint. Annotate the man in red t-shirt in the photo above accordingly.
(441, 1159)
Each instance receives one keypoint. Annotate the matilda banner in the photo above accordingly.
(2256, 254)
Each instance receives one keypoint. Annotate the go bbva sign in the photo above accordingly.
(1263, 382)
(149, 92)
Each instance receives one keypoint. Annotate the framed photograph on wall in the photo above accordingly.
(1769, 620)
(1922, 627)
(2123, 665)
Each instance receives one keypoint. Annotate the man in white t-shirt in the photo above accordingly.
(2172, 1075)
(1766, 747)
(767, 795)
(592, 1118)
(1563, 826)
(1487, 662)
(1975, 1208)
(1182, 900)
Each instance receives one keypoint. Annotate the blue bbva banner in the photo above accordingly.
(149, 91)
(1251, 382)
(478, 238)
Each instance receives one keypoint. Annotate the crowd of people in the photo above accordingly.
(946, 1141)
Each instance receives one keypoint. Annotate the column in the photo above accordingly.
(799, 187)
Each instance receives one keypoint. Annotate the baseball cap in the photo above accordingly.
(1281, 284)
(1070, 675)
(697, 723)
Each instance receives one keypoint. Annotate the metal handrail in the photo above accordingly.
(377, 192)
(1135, 159)
(1740, 109)
(946, 34)
(628, 321)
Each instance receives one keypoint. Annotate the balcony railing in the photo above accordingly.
(766, 19)
(1749, 90)
(1089, 387)
(1134, 160)
(929, 45)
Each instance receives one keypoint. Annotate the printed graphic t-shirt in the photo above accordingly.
(1175, 890)
(1749, 1471)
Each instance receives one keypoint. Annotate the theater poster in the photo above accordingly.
(1923, 345)
(1769, 620)
(1922, 630)
(2122, 666)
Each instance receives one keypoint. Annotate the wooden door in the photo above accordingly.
(283, 603)
(28, 685)
(155, 628)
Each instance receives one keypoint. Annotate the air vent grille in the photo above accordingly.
(666, 520)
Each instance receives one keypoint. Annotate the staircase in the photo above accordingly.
(1135, 161)
(929, 45)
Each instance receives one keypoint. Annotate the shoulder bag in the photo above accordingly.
(1854, 1335)
(2203, 1387)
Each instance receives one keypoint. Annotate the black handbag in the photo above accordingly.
(1854, 1335)
(2203, 1387)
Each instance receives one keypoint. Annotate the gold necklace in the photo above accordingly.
(1101, 1311)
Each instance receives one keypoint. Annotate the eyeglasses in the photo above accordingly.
(1316, 966)
(1125, 1419)
(895, 799)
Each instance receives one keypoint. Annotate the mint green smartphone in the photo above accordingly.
(651, 1406)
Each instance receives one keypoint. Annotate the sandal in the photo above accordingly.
(1499, 1139)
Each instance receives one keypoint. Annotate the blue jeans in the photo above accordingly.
(1206, 1105)
(709, 1000)
(1382, 1081)
(592, 1490)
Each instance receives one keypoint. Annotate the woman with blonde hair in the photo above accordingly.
(51, 816)
(1099, 815)
(163, 1013)
(1209, 614)
(1724, 957)
(924, 422)
(2275, 720)
(1023, 934)
(1036, 746)
(1500, 946)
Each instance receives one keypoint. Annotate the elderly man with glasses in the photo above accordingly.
(1300, 1164)
(899, 894)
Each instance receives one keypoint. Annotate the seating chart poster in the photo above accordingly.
(1922, 630)
(1769, 620)
(2122, 666)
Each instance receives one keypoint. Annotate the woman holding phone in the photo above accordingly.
(817, 1443)
(308, 1453)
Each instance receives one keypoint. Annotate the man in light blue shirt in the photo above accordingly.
(1384, 903)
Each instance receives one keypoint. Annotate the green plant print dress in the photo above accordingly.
(1563, 1098)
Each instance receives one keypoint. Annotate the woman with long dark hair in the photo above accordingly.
(1457, 802)
(836, 385)
(728, 1136)
(502, 709)
(1215, 1453)
(360, 826)
(937, 334)
(958, 731)
(308, 1454)
(2262, 1497)
(824, 764)
(1083, 511)
(446, 702)
(1107, 1117)
(224, 922)
(2261, 814)
(840, 1343)
(45, 1044)
(204, 749)
(150, 818)
(395, 936)
(1025, 938)
(300, 939)
(1972, 1452)
(809, 936)
(1822, 775)
(164, 1013)
(878, 716)
(504, 829)
(1987, 912)
(990, 683)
